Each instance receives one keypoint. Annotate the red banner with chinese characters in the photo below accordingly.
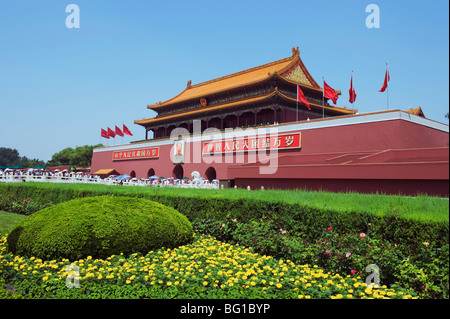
(286, 141)
(136, 154)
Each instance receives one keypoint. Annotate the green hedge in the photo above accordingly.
(99, 227)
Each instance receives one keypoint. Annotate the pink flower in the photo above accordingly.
(282, 231)
(348, 254)
(329, 228)
(353, 271)
(328, 252)
(362, 235)
(423, 287)
(234, 220)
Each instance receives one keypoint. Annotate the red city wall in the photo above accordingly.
(376, 151)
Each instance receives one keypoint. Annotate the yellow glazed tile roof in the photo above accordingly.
(105, 171)
(418, 111)
(239, 79)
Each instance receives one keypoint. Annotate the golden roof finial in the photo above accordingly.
(295, 51)
(189, 84)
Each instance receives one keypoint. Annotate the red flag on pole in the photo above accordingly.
(111, 133)
(386, 80)
(329, 92)
(105, 134)
(301, 97)
(126, 130)
(352, 92)
(118, 131)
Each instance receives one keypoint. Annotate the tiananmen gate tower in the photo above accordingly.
(249, 129)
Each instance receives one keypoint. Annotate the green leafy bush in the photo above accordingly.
(6, 294)
(99, 227)
(14, 203)
(427, 273)
(346, 253)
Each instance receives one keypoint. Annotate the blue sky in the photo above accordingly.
(60, 86)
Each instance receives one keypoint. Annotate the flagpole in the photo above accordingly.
(296, 113)
(323, 98)
(387, 92)
(353, 104)
(107, 135)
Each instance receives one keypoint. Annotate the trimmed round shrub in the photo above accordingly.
(99, 227)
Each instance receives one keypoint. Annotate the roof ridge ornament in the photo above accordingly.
(189, 84)
(295, 51)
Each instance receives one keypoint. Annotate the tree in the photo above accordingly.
(9, 156)
(61, 158)
(79, 156)
(27, 162)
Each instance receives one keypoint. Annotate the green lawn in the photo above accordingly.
(8, 221)
(422, 208)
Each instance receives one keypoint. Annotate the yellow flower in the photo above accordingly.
(279, 285)
(45, 278)
(205, 283)
(390, 293)
(169, 283)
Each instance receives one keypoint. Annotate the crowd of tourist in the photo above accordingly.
(16, 175)
(42, 172)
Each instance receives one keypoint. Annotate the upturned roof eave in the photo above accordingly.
(260, 98)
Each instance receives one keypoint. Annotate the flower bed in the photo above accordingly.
(291, 225)
(207, 268)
